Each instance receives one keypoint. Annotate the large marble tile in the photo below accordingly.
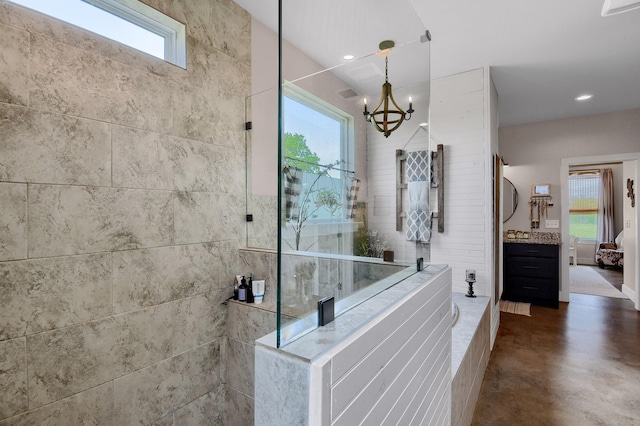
(220, 122)
(286, 376)
(147, 336)
(13, 220)
(199, 319)
(151, 393)
(152, 276)
(228, 252)
(208, 410)
(44, 294)
(69, 360)
(86, 84)
(14, 65)
(91, 407)
(203, 216)
(164, 421)
(239, 408)
(13, 377)
(246, 323)
(231, 35)
(44, 147)
(70, 220)
(77, 358)
(239, 368)
(144, 159)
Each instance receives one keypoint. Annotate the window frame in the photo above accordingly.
(347, 127)
(138, 13)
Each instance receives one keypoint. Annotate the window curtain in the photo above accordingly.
(605, 208)
(292, 189)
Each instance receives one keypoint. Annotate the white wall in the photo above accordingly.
(534, 150)
(458, 122)
(630, 286)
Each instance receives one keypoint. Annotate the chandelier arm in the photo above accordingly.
(400, 110)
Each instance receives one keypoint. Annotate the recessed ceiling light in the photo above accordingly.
(584, 97)
(424, 124)
(348, 57)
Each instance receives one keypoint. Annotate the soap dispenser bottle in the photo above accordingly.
(250, 290)
(242, 290)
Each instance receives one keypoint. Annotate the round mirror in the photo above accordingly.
(509, 199)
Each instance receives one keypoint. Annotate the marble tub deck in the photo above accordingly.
(469, 355)
(471, 312)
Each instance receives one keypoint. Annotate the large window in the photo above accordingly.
(318, 140)
(583, 204)
(129, 22)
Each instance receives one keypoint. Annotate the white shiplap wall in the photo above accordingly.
(457, 121)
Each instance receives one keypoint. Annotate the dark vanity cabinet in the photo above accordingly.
(532, 273)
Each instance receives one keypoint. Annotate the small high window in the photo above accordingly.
(129, 22)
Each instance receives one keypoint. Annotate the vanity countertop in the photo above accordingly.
(549, 238)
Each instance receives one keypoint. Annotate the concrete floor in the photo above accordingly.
(577, 365)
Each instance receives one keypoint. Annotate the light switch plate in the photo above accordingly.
(552, 224)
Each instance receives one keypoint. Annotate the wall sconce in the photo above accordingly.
(384, 119)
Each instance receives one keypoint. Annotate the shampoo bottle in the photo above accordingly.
(250, 290)
(242, 290)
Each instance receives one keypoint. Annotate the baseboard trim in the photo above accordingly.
(630, 293)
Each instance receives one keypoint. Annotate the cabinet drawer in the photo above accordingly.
(534, 288)
(532, 267)
(531, 250)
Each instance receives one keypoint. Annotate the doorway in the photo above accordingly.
(631, 162)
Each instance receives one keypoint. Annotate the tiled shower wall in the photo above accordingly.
(121, 214)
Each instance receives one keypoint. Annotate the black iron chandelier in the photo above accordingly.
(384, 119)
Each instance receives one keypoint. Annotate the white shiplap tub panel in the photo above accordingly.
(345, 359)
(401, 375)
(406, 338)
(433, 389)
(398, 365)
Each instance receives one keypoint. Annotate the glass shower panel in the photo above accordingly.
(354, 196)
(262, 162)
